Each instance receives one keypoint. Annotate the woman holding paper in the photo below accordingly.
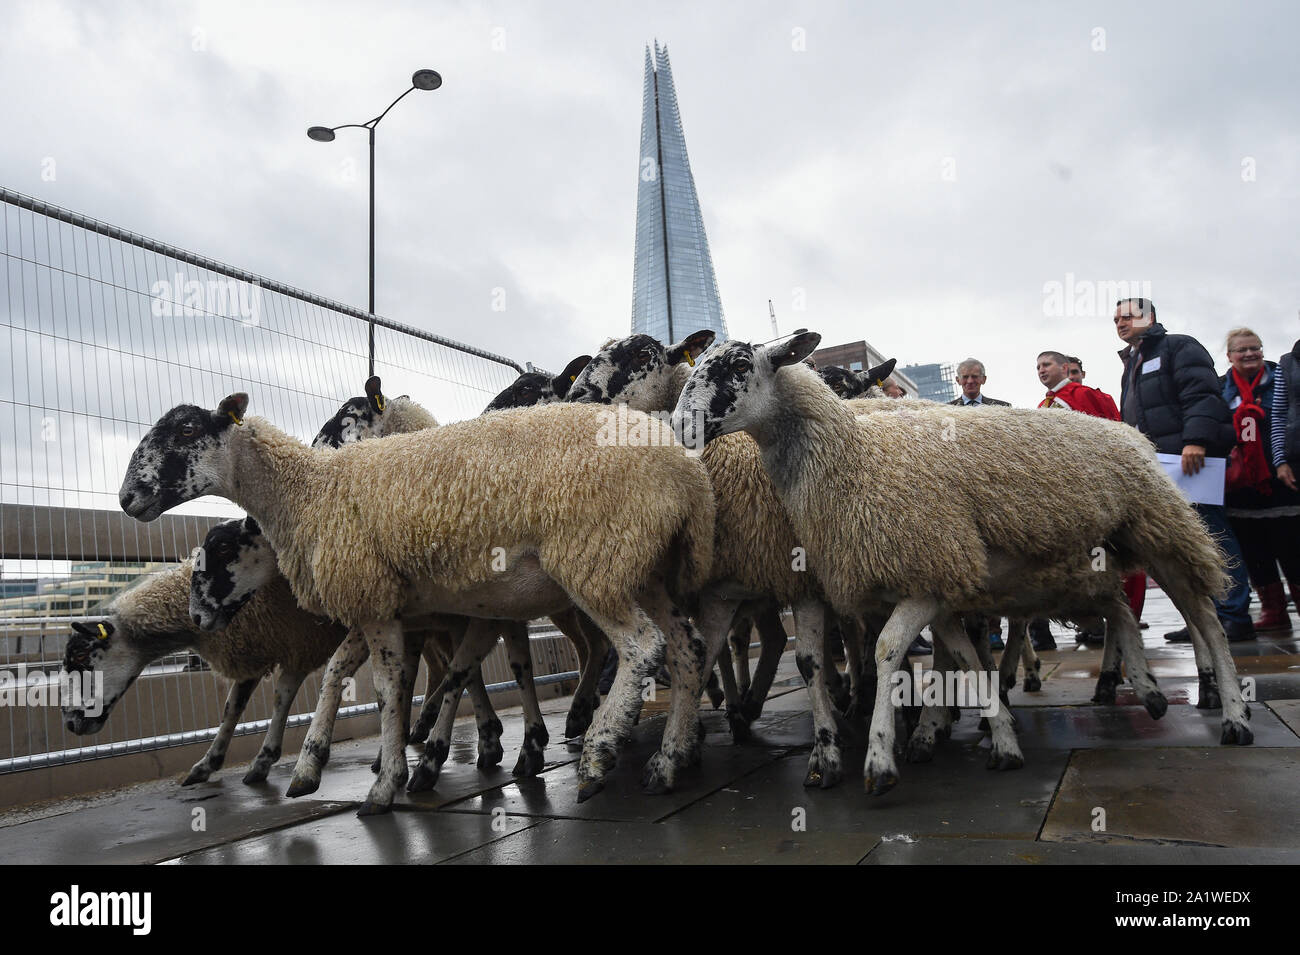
(1264, 511)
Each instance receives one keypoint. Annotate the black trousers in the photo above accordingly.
(1267, 542)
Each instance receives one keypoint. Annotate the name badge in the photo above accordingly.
(1150, 366)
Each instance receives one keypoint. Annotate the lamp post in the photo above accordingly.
(420, 80)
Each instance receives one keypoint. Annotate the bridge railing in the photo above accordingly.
(101, 331)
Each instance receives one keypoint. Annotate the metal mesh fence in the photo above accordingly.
(101, 331)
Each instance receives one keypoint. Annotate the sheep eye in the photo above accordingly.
(742, 367)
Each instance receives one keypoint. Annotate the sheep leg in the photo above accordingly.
(1119, 618)
(532, 754)
(1011, 655)
(390, 664)
(773, 637)
(1033, 666)
(687, 661)
(480, 637)
(236, 701)
(592, 647)
(713, 622)
(490, 751)
(837, 684)
(1006, 749)
(851, 631)
(739, 639)
(825, 762)
(436, 652)
(347, 659)
(880, 773)
(286, 688)
(1109, 677)
(638, 643)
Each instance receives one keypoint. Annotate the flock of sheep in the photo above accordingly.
(393, 537)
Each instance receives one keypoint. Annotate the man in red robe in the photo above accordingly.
(1065, 392)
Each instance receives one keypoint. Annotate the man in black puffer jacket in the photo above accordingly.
(1171, 393)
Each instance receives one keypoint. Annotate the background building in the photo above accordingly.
(938, 381)
(674, 290)
(859, 356)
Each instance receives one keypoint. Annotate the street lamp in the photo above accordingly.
(420, 80)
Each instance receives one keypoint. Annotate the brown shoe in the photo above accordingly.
(1272, 602)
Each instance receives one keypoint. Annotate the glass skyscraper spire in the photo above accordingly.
(674, 290)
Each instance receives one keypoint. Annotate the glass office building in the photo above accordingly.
(674, 290)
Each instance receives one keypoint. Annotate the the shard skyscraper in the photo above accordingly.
(674, 290)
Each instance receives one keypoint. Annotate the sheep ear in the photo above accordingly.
(560, 383)
(875, 376)
(691, 347)
(374, 394)
(232, 408)
(795, 350)
(82, 628)
(251, 526)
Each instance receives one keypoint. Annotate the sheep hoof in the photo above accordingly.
(372, 808)
(579, 718)
(199, 774)
(490, 754)
(1238, 733)
(1208, 698)
(657, 777)
(302, 786)
(424, 778)
(1033, 683)
(919, 750)
(1107, 681)
(880, 783)
(740, 731)
(588, 788)
(1002, 761)
(530, 762)
(256, 774)
(1156, 704)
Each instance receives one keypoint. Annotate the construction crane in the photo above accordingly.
(772, 311)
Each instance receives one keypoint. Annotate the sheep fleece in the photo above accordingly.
(436, 503)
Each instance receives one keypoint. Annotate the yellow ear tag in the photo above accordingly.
(690, 360)
(379, 402)
(235, 418)
(103, 634)
(879, 383)
(572, 379)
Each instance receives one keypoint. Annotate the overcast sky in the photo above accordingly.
(915, 174)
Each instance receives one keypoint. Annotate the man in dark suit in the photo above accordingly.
(971, 378)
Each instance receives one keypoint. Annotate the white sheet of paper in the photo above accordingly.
(1204, 487)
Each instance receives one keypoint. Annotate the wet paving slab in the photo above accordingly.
(554, 793)
(399, 838)
(570, 842)
(1288, 711)
(1224, 796)
(937, 851)
(159, 825)
(954, 793)
(1131, 727)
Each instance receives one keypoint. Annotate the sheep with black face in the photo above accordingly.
(880, 514)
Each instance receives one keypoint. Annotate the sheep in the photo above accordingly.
(853, 384)
(1017, 648)
(239, 566)
(534, 388)
(758, 565)
(151, 620)
(516, 514)
(882, 517)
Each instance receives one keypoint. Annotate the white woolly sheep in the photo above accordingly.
(151, 620)
(882, 517)
(616, 530)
